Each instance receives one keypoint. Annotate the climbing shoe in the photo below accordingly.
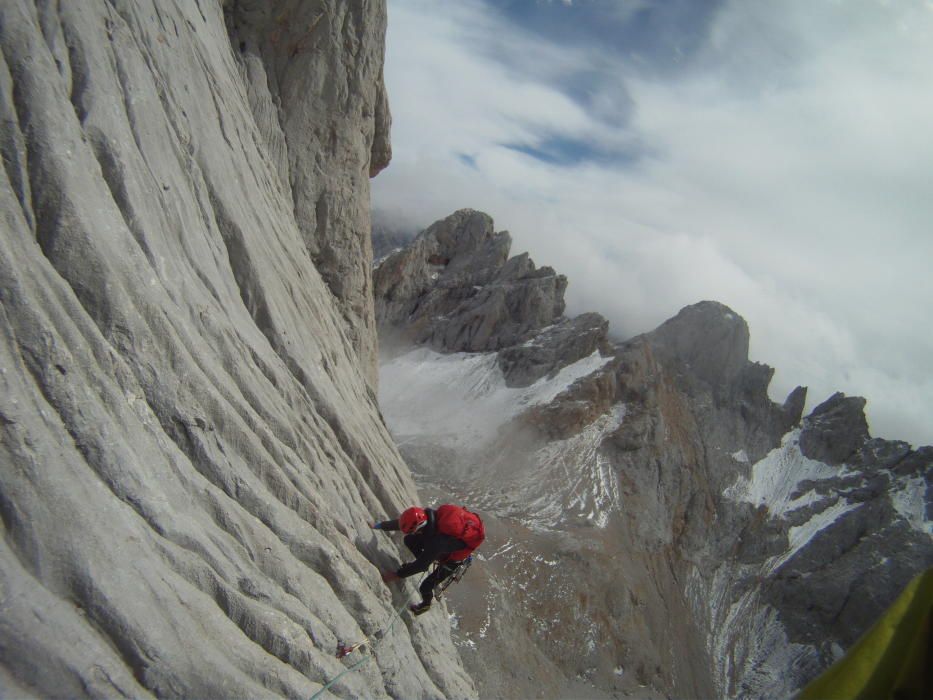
(419, 608)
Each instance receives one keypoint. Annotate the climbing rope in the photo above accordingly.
(343, 650)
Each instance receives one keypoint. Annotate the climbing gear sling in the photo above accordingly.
(345, 649)
(454, 577)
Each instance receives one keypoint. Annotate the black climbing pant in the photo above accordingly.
(416, 545)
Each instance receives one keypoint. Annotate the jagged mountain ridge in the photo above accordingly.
(717, 527)
(190, 448)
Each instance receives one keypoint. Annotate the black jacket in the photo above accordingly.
(428, 545)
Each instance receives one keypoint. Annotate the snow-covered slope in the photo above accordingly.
(461, 400)
(818, 515)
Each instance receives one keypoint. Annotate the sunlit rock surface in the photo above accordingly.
(190, 449)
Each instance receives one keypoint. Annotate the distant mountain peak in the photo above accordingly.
(711, 521)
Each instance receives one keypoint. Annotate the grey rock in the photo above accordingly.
(886, 454)
(314, 76)
(388, 238)
(553, 348)
(190, 449)
(708, 339)
(835, 429)
(837, 586)
(455, 289)
(915, 462)
(794, 405)
(705, 348)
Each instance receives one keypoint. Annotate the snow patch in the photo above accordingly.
(908, 500)
(461, 399)
(741, 456)
(776, 478)
(502, 550)
(775, 482)
(746, 638)
(799, 536)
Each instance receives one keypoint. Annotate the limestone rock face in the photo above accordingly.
(190, 450)
(455, 289)
(709, 339)
(313, 72)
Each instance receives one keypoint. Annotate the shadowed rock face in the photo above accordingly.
(455, 288)
(190, 450)
(709, 339)
(835, 429)
(554, 347)
(661, 526)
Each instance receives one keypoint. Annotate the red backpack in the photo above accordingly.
(460, 523)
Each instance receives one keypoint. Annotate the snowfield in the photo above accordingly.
(774, 480)
(908, 499)
(746, 634)
(461, 400)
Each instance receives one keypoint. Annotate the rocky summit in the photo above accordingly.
(455, 288)
(190, 446)
(659, 526)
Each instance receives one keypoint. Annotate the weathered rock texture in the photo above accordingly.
(662, 527)
(313, 74)
(189, 449)
(835, 429)
(553, 348)
(456, 289)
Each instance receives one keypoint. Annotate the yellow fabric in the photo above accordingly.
(892, 660)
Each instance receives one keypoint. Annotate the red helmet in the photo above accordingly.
(412, 520)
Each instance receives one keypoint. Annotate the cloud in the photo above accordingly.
(781, 165)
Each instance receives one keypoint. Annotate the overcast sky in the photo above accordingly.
(776, 156)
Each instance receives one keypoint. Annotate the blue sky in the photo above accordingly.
(775, 156)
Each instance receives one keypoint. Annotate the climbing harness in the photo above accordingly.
(347, 649)
(454, 577)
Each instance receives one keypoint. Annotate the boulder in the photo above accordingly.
(835, 429)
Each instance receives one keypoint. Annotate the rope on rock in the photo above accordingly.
(343, 650)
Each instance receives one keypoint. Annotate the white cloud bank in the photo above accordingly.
(786, 170)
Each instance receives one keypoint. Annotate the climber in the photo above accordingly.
(446, 535)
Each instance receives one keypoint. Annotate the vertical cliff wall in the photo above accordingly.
(313, 72)
(190, 449)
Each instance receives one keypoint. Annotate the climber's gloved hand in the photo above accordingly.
(389, 576)
(376, 526)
